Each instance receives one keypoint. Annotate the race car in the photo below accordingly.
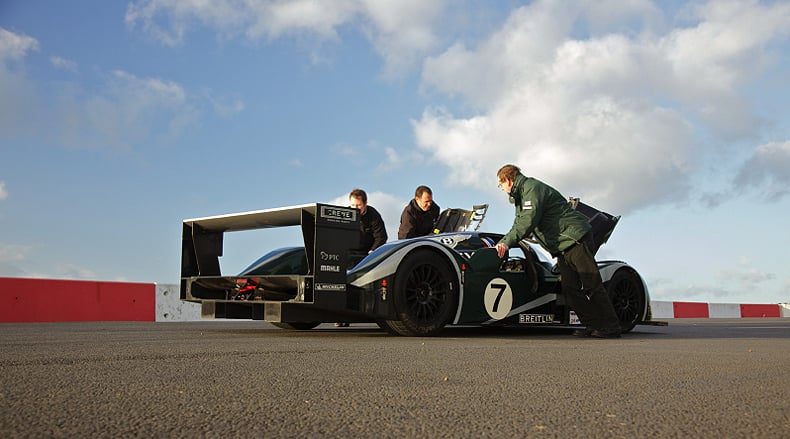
(410, 287)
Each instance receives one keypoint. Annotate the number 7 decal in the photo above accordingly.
(498, 298)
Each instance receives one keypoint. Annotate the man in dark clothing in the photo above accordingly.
(419, 216)
(373, 234)
(543, 212)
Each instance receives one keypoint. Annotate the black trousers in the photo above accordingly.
(583, 287)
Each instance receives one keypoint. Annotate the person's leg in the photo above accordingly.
(592, 297)
(576, 299)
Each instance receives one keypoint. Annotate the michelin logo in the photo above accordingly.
(330, 287)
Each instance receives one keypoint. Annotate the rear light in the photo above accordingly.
(383, 289)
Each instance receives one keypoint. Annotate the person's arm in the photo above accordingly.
(526, 219)
(436, 212)
(379, 231)
(406, 229)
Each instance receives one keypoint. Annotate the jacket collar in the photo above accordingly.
(515, 191)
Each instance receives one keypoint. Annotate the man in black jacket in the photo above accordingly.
(373, 234)
(420, 215)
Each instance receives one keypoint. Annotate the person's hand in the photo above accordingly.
(501, 250)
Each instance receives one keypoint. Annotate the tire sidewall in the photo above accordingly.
(413, 261)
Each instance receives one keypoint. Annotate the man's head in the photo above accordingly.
(423, 196)
(358, 199)
(506, 176)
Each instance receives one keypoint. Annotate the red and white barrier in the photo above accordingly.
(53, 300)
(49, 300)
(703, 310)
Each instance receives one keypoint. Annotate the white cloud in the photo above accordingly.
(10, 256)
(276, 18)
(125, 110)
(3, 191)
(768, 170)
(17, 97)
(223, 105)
(63, 64)
(747, 276)
(13, 252)
(396, 158)
(73, 271)
(15, 46)
(169, 20)
(130, 110)
(612, 117)
(710, 62)
(393, 158)
(401, 31)
(343, 150)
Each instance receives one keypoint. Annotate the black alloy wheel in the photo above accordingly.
(425, 295)
(628, 298)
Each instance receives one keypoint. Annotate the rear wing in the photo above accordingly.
(602, 223)
(328, 232)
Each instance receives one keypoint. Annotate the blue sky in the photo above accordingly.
(120, 119)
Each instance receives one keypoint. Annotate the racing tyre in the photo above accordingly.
(628, 298)
(425, 295)
(299, 326)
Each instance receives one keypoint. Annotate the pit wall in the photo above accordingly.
(55, 300)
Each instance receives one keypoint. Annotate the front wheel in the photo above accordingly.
(425, 295)
(628, 298)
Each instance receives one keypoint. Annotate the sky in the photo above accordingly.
(118, 120)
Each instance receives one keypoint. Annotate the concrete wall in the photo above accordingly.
(170, 307)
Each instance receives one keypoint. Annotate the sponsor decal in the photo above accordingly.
(330, 268)
(329, 256)
(338, 214)
(453, 240)
(573, 319)
(498, 298)
(467, 254)
(330, 287)
(536, 318)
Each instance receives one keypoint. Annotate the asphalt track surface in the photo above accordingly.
(694, 378)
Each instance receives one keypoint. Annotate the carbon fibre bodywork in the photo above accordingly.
(409, 287)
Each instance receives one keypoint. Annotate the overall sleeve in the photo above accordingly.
(527, 218)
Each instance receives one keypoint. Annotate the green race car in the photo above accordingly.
(412, 287)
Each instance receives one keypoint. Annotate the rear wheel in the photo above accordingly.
(628, 298)
(425, 295)
(299, 326)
